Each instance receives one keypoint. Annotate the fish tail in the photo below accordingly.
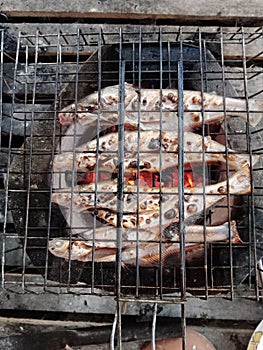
(236, 238)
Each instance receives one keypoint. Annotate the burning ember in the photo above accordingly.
(188, 180)
(169, 178)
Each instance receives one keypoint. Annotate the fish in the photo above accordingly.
(76, 250)
(143, 208)
(105, 244)
(147, 108)
(152, 255)
(106, 236)
(153, 151)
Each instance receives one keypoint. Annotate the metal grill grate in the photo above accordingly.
(49, 71)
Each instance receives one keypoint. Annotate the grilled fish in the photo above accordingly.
(196, 149)
(150, 199)
(106, 236)
(151, 214)
(148, 243)
(153, 105)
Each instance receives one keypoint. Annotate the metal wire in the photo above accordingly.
(138, 159)
(161, 163)
(154, 325)
(8, 171)
(52, 159)
(227, 166)
(202, 59)
(181, 168)
(98, 129)
(249, 148)
(120, 187)
(36, 71)
(73, 169)
(1, 80)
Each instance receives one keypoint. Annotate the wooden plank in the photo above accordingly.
(140, 9)
(237, 309)
(47, 325)
(220, 336)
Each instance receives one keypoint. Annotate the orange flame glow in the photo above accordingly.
(188, 180)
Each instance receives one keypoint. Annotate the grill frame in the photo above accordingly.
(179, 310)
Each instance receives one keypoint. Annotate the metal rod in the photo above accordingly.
(73, 169)
(251, 216)
(28, 182)
(113, 331)
(160, 162)
(183, 325)
(1, 80)
(227, 164)
(138, 162)
(53, 142)
(1, 120)
(169, 64)
(120, 185)
(154, 326)
(181, 168)
(98, 129)
(3, 238)
(204, 167)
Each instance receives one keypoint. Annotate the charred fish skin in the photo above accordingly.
(149, 162)
(106, 236)
(214, 107)
(145, 226)
(150, 200)
(85, 158)
(148, 253)
(86, 109)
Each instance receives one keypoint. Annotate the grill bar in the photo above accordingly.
(40, 79)
(1, 119)
(1, 79)
(73, 170)
(120, 187)
(154, 326)
(138, 154)
(227, 166)
(8, 175)
(203, 59)
(160, 272)
(249, 148)
(181, 169)
(58, 63)
(97, 153)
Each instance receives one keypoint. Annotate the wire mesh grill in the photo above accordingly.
(49, 71)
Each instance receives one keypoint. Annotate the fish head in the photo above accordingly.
(59, 247)
(67, 115)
